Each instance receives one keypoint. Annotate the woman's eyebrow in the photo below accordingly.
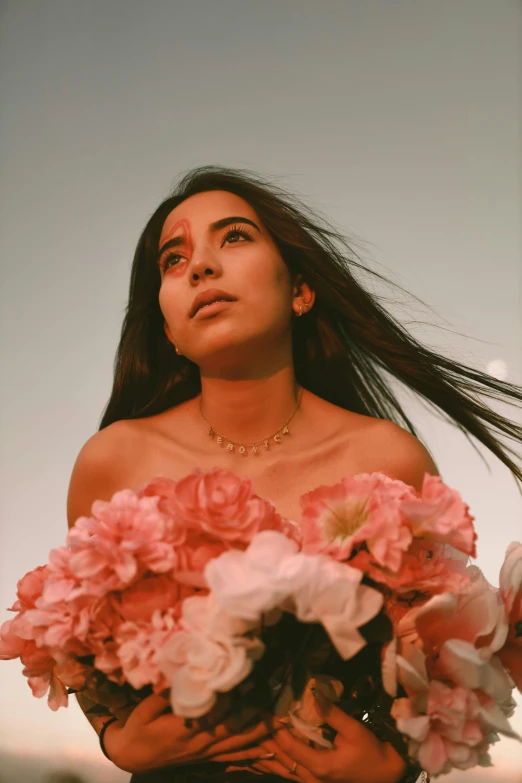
(219, 224)
(214, 227)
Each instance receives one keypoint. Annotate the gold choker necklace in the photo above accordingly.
(242, 448)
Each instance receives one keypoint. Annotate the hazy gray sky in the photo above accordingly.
(401, 120)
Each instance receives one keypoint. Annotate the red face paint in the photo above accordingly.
(185, 233)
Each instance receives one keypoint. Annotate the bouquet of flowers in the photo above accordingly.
(199, 589)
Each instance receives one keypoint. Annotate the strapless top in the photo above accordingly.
(215, 772)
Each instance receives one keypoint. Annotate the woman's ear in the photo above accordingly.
(303, 292)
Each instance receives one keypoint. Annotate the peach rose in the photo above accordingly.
(157, 592)
(223, 505)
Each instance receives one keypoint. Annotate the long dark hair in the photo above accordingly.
(340, 348)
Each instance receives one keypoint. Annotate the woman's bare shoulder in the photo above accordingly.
(402, 454)
(115, 440)
(100, 467)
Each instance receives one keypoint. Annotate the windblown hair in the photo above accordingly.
(342, 349)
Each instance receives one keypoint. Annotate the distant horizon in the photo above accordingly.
(87, 764)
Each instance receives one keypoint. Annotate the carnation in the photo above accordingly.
(361, 509)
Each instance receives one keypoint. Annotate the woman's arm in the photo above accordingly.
(97, 718)
(94, 476)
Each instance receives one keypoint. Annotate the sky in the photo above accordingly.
(400, 121)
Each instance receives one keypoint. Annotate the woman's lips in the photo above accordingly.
(209, 309)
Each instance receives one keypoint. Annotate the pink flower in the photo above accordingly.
(460, 633)
(292, 530)
(61, 625)
(449, 727)
(194, 555)
(152, 593)
(223, 505)
(163, 488)
(29, 588)
(441, 515)
(511, 591)
(426, 569)
(11, 645)
(46, 672)
(45, 675)
(138, 643)
(107, 661)
(363, 508)
(463, 632)
(476, 615)
(61, 583)
(104, 618)
(126, 537)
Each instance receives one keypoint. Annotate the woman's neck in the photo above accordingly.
(248, 411)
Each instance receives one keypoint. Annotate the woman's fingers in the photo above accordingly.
(279, 754)
(247, 754)
(276, 768)
(222, 741)
(315, 761)
(236, 768)
(282, 758)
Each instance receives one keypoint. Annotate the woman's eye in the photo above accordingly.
(173, 257)
(240, 232)
(166, 261)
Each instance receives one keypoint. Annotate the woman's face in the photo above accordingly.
(241, 259)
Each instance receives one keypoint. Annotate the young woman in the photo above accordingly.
(249, 345)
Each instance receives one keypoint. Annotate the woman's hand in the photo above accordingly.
(150, 738)
(357, 756)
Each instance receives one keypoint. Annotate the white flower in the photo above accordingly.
(249, 583)
(208, 656)
(465, 631)
(511, 574)
(202, 613)
(333, 595)
(199, 667)
(271, 574)
(475, 668)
